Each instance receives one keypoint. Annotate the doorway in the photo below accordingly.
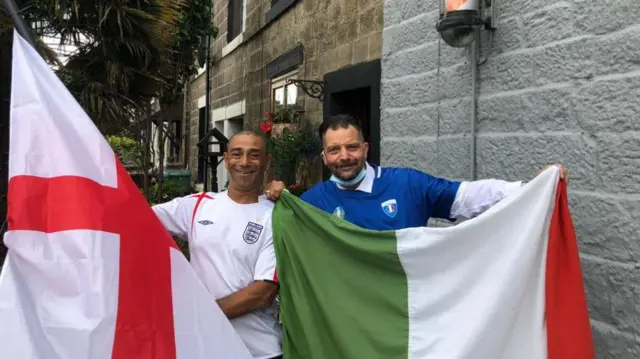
(355, 91)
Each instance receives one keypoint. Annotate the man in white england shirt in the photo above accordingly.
(231, 244)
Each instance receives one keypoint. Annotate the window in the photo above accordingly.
(236, 18)
(279, 7)
(282, 93)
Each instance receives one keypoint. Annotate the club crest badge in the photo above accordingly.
(339, 212)
(390, 207)
(252, 232)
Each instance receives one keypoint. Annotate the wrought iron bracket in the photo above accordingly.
(313, 89)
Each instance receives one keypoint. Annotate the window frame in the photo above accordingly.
(281, 81)
(232, 17)
(278, 7)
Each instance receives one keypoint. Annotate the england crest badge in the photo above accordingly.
(252, 232)
(390, 207)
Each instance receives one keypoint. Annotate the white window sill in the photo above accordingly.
(233, 45)
(201, 71)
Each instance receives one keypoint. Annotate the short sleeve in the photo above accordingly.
(266, 263)
(176, 214)
(438, 194)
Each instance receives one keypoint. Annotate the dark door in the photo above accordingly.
(356, 103)
(355, 91)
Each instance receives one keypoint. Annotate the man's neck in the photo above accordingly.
(243, 197)
(353, 187)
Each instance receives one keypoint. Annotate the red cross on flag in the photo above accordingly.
(91, 273)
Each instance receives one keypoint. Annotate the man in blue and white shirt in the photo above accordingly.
(382, 198)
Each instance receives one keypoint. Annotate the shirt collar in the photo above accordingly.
(367, 183)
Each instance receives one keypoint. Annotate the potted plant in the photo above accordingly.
(293, 152)
(287, 116)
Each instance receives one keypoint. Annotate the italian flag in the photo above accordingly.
(507, 284)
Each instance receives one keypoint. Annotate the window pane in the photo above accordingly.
(292, 94)
(278, 97)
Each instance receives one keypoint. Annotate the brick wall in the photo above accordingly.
(195, 90)
(560, 85)
(334, 33)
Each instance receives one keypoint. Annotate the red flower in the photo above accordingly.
(266, 127)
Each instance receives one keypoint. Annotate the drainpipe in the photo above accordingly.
(474, 102)
(207, 100)
(20, 24)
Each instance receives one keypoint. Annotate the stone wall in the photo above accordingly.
(560, 85)
(195, 90)
(334, 34)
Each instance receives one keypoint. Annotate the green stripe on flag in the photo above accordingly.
(343, 289)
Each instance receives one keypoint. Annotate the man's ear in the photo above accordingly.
(226, 161)
(365, 147)
(324, 159)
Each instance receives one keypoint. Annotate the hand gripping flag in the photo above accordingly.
(91, 273)
(505, 285)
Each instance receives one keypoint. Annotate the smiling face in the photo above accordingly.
(345, 152)
(246, 160)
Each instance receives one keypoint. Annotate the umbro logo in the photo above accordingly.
(205, 222)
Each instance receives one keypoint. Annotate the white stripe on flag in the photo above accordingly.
(70, 319)
(194, 315)
(500, 300)
(62, 140)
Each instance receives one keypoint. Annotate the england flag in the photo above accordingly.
(91, 273)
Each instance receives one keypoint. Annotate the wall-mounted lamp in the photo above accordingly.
(459, 20)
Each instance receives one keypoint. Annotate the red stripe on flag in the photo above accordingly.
(568, 328)
(144, 324)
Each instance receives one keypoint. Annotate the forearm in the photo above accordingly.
(257, 295)
(473, 198)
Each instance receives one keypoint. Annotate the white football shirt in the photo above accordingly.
(230, 245)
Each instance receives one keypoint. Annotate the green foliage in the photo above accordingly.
(128, 149)
(121, 54)
(292, 149)
(195, 25)
(128, 52)
(287, 114)
(171, 188)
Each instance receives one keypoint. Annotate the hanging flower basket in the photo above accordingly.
(278, 128)
(293, 147)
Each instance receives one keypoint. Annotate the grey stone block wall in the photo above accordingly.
(561, 84)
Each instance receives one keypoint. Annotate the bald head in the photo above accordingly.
(248, 133)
